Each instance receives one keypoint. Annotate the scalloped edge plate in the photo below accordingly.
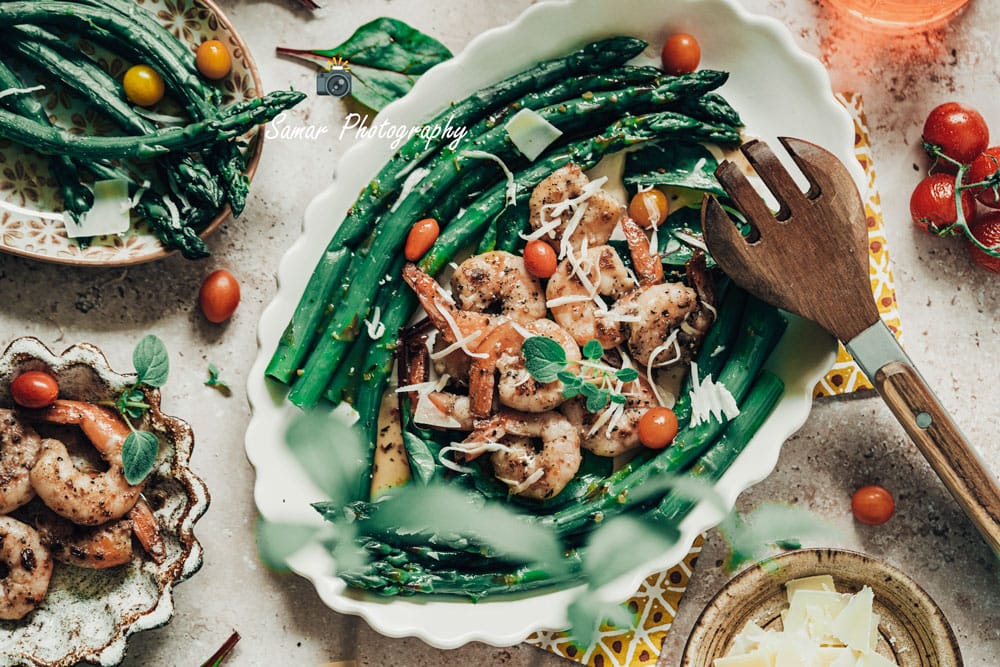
(778, 89)
(56, 622)
(50, 243)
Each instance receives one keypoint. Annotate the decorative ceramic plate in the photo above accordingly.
(912, 630)
(778, 90)
(24, 174)
(88, 615)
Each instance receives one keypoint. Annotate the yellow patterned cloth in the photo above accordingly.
(654, 605)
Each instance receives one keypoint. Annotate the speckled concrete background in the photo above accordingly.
(951, 313)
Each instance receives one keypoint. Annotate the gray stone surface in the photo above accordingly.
(950, 311)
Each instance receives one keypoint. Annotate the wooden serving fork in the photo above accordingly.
(811, 258)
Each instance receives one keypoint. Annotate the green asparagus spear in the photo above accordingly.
(237, 119)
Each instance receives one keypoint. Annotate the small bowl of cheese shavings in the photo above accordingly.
(822, 608)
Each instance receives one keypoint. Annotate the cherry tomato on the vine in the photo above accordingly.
(422, 236)
(213, 59)
(681, 54)
(872, 505)
(982, 168)
(540, 259)
(648, 207)
(987, 231)
(143, 85)
(34, 389)
(657, 427)
(219, 296)
(957, 130)
(933, 203)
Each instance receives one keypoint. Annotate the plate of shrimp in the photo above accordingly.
(624, 326)
(88, 558)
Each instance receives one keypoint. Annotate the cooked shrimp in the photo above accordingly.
(540, 453)
(571, 296)
(455, 406)
(498, 282)
(669, 319)
(26, 569)
(516, 388)
(648, 267)
(615, 430)
(553, 199)
(442, 312)
(147, 530)
(91, 547)
(19, 447)
(85, 497)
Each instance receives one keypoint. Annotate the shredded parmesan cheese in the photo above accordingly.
(519, 328)
(690, 240)
(376, 329)
(671, 342)
(519, 487)
(565, 300)
(411, 181)
(19, 91)
(460, 341)
(511, 185)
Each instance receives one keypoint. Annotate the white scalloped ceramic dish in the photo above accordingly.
(88, 615)
(779, 91)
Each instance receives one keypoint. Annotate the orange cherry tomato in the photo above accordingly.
(648, 208)
(657, 428)
(540, 259)
(213, 59)
(872, 505)
(681, 54)
(34, 389)
(422, 236)
(143, 85)
(219, 296)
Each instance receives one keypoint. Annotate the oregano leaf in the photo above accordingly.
(593, 350)
(598, 401)
(627, 374)
(138, 455)
(543, 358)
(151, 361)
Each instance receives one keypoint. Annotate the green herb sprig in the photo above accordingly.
(216, 382)
(152, 366)
(546, 361)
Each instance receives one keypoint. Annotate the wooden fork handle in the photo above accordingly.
(931, 428)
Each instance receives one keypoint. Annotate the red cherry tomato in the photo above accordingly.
(648, 207)
(932, 203)
(958, 131)
(657, 428)
(984, 166)
(540, 259)
(219, 296)
(987, 231)
(213, 59)
(422, 236)
(872, 505)
(34, 389)
(681, 54)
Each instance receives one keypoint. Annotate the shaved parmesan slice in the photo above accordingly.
(820, 582)
(426, 413)
(748, 660)
(710, 399)
(852, 626)
(531, 133)
(812, 612)
(108, 215)
(874, 660)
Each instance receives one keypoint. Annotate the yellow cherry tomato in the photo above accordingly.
(648, 208)
(143, 85)
(213, 59)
